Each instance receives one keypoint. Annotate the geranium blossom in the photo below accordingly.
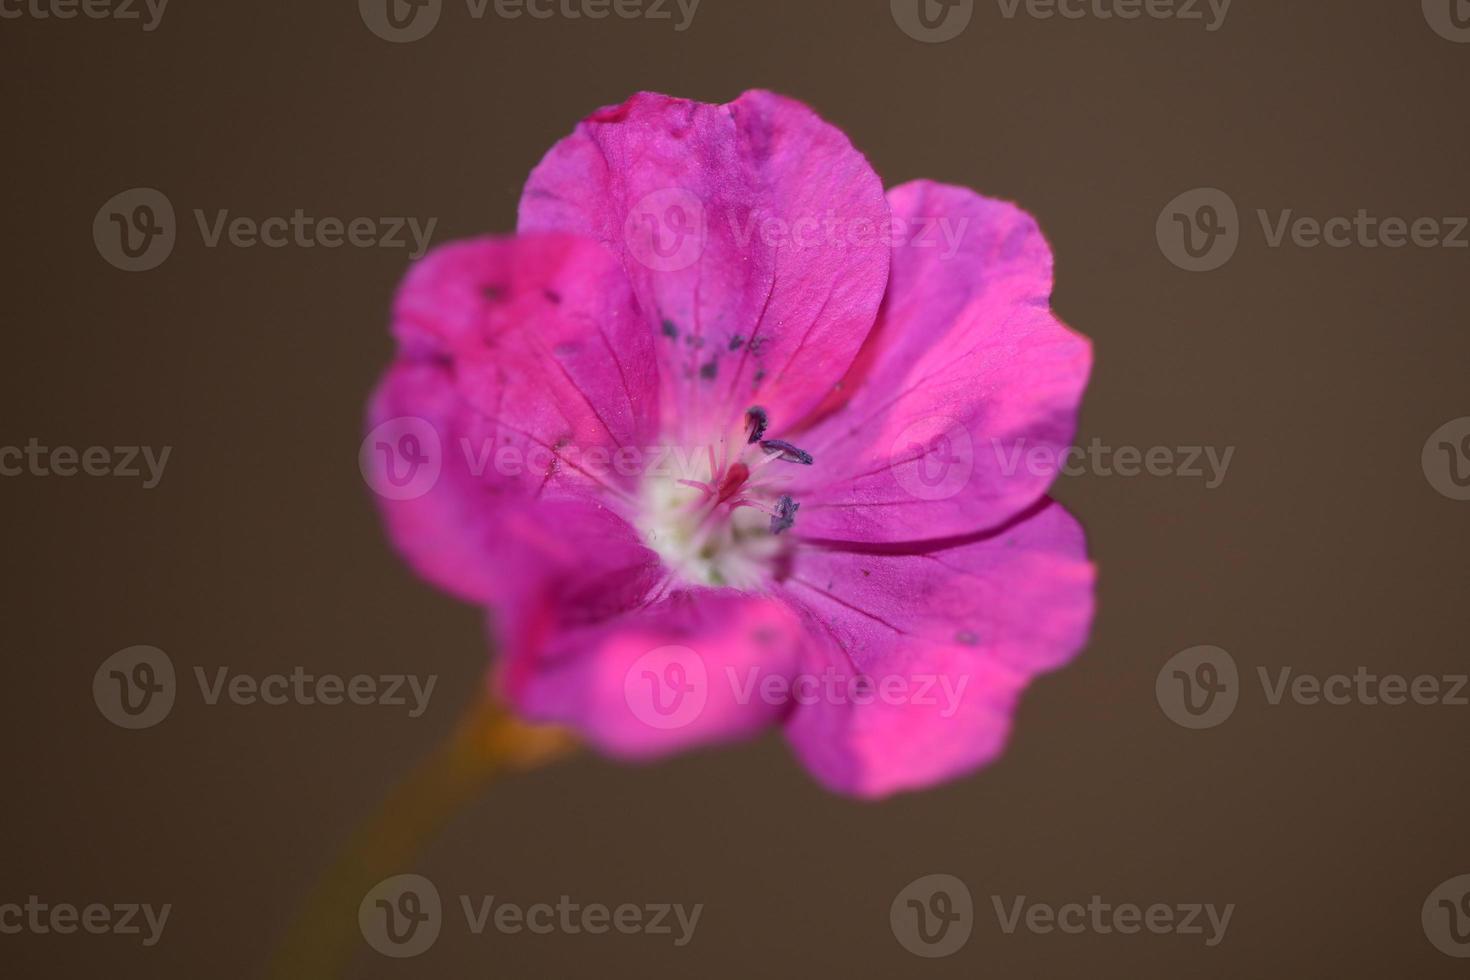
(721, 436)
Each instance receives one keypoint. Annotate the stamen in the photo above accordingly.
(755, 424)
(788, 452)
(785, 517)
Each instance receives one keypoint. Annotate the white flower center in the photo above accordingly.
(717, 516)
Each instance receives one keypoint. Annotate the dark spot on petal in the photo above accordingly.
(708, 371)
(552, 296)
(967, 637)
(671, 330)
(736, 342)
(492, 293)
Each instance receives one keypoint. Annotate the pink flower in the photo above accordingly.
(726, 438)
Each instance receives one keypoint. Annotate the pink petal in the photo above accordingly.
(966, 394)
(965, 626)
(522, 371)
(685, 671)
(704, 203)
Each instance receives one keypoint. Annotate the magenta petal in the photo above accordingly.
(756, 237)
(966, 394)
(968, 626)
(542, 337)
(521, 372)
(685, 671)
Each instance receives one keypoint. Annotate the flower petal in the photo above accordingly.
(956, 633)
(522, 371)
(965, 396)
(756, 238)
(685, 671)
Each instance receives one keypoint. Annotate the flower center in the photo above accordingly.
(716, 515)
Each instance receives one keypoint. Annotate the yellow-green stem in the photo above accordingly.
(487, 743)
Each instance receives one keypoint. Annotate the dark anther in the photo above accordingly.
(755, 424)
(785, 516)
(787, 452)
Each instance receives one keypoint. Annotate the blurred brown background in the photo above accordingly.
(1325, 549)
